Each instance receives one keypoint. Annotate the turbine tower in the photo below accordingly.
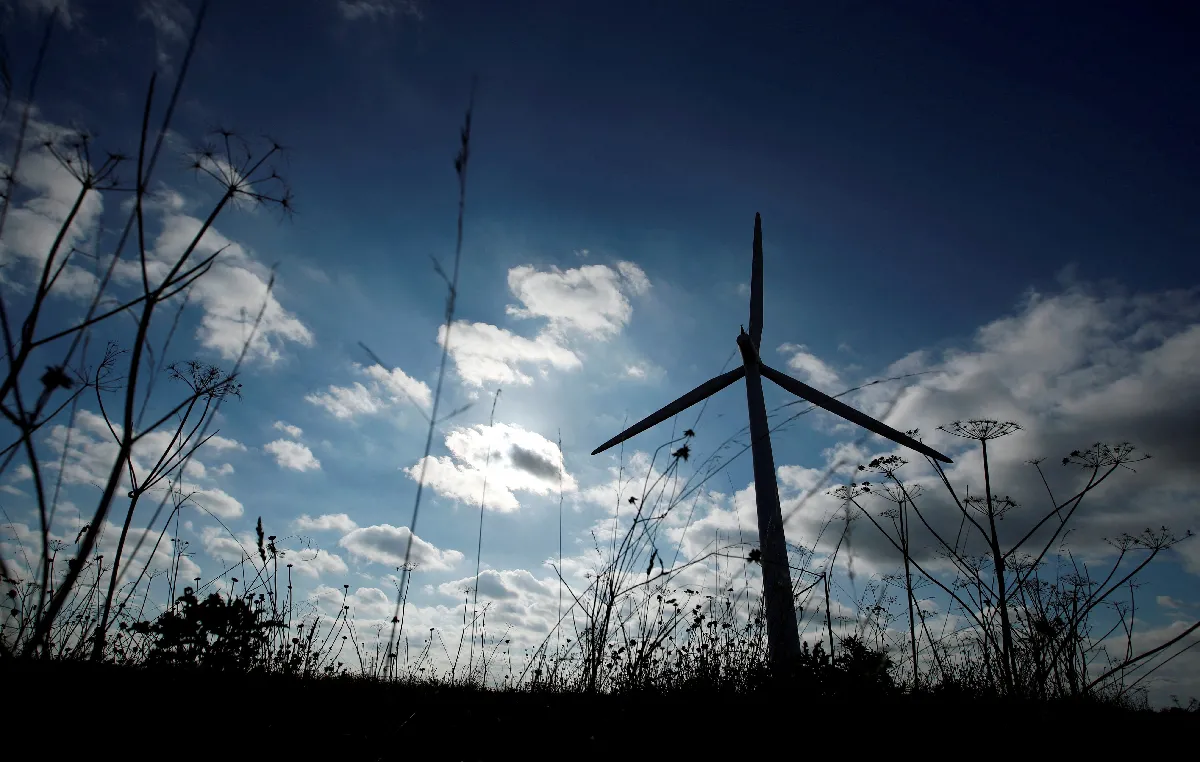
(783, 637)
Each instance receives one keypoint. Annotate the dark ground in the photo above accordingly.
(184, 714)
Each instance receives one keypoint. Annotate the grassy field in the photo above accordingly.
(193, 714)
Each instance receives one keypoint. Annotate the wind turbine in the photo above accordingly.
(783, 637)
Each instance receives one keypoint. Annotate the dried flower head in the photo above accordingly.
(981, 429)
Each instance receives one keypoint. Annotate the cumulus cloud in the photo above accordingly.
(92, 451)
(216, 501)
(292, 455)
(1073, 368)
(385, 390)
(222, 444)
(17, 535)
(400, 386)
(591, 299)
(366, 604)
(514, 597)
(230, 294)
(520, 461)
(316, 563)
(346, 401)
(386, 544)
(589, 302)
(48, 191)
(484, 354)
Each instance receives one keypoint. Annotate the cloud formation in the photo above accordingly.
(520, 461)
(292, 455)
(386, 544)
(591, 300)
(385, 390)
(585, 303)
(92, 451)
(328, 522)
(808, 367)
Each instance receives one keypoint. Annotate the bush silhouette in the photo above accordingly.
(212, 634)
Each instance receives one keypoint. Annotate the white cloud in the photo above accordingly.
(16, 534)
(92, 452)
(366, 603)
(590, 299)
(216, 501)
(221, 444)
(293, 455)
(386, 544)
(401, 386)
(484, 354)
(1073, 368)
(294, 432)
(50, 191)
(810, 368)
(328, 522)
(520, 460)
(316, 563)
(230, 295)
(385, 390)
(346, 401)
(515, 598)
(219, 545)
(589, 302)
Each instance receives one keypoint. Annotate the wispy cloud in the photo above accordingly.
(377, 10)
(328, 522)
(809, 367)
(292, 431)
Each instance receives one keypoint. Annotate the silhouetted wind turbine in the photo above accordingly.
(783, 637)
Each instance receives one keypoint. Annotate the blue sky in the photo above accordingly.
(1004, 197)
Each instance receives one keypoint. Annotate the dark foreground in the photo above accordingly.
(70, 710)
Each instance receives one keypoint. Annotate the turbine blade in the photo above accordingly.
(707, 389)
(756, 285)
(850, 414)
